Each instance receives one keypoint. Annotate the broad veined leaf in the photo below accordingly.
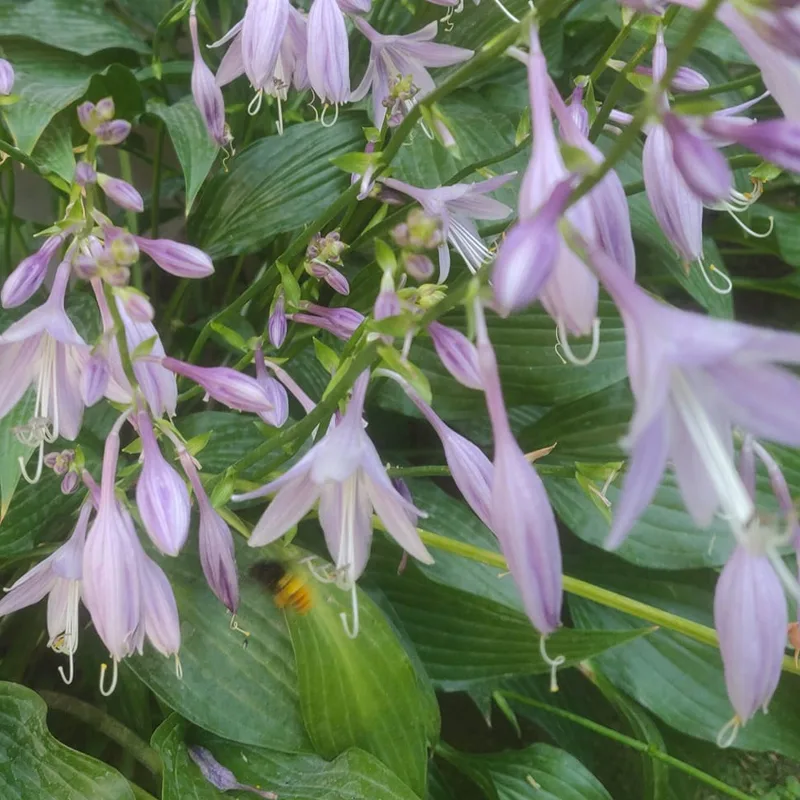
(278, 184)
(680, 680)
(360, 692)
(13, 453)
(464, 639)
(79, 26)
(193, 146)
(53, 153)
(530, 367)
(354, 775)
(245, 693)
(539, 771)
(36, 766)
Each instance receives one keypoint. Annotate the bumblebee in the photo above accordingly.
(287, 588)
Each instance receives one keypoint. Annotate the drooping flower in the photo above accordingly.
(221, 777)
(274, 390)
(521, 515)
(457, 353)
(344, 473)
(328, 53)
(29, 275)
(58, 578)
(457, 206)
(161, 494)
(217, 556)
(160, 622)
(776, 140)
(693, 377)
(43, 349)
(394, 58)
(262, 31)
(206, 92)
(341, 322)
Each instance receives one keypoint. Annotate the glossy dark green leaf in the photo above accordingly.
(36, 766)
(278, 184)
(245, 693)
(354, 775)
(464, 639)
(539, 771)
(193, 146)
(360, 692)
(79, 26)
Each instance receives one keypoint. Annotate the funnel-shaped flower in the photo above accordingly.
(777, 140)
(44, 349)
(694, 377)
(160, 619)
(751, 619)
(394, 57)
(344, 473)
(456, 207)
(328, 52)
(206, 92)
(263, 27)
(161, 494)
(521, 515)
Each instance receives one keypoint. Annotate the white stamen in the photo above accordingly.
(747, 229)
(335, 116)
(505, 11)
(178, 668)
(562, 340)
(469, 247)
(728, 733)
(114, 674)
(320, 575)
(352, 632)
(24, 469)
(255, 104)
(784, 573)
(727, 286)
(68, 680)
(553, 663)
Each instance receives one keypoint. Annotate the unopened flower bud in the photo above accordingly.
(6, 78)
(85, 173)
(181, 260)
(400, 235)
(112, 133)
(87, 117)
(105, 109)
(277, 321)
(70, 483)
(137, 304)
(120, 192)
(94, 378)
(424, 231)
(457, 354)
(418, 266)
(124, 250)
(331, 276)
(117, 276)
(60, 462)
(29, 274)
(429, 295)
(387, 303)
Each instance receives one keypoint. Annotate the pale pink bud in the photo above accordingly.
(112, 133)
(85, 173)
(70, 483)
(120, 192)
(277, 322)
(177, 258)
(457, 354)
(28, 276)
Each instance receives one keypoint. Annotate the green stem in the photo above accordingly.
(119, 334)
(131, 220)
(10, 200)
(488, 162)
(604, 597)
(612, 49)
(107, 725)
(155, 192)
(635, 744)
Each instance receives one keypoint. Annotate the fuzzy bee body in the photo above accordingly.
(288, 589)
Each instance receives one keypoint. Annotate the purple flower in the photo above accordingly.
(58, 578)
(161, 494)
(457, 206)
(263, 27)
(217, 556)
(521, 515)
(221, 777)
(113, 132)
(160, 622)
(569, 294)
(205, 90)
(331, 276)
(344, 473)
(341, 322)
(751, 619)
(693, 378)
(6, 78)
(777, 140)
(30, 273)
(85, 173)
(397, 57)
(457, 354)
(355, 6)
(274, 390)
(387, 303)
(225, 385)
(43, 349)
(685, 79)
(121, 192)
(111, 566)
(177, 258)
(328, 53)
(95, 377)
(277, 321)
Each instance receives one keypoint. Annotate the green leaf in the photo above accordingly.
(36, 766)
(540, 771)
(278, 184)
(680, 680)
(463, 639)
(360, 692)
(79, 26)
(354, 775)
(194, 147)
(530, 368)
(12, 450)
(247, 694)
(53, 153)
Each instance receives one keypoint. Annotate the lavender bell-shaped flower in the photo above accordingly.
(751, 619)
(217, 555)
(457, 353)
(44, 349)
(328, 53)
(161, 494)
(776, 140)
(29, 275)
(344, 473)
(205, 90)
(160, 621)
(263, 28)
(521, 515)
(58, 578)
(225, 385)
(395, 57)
(95, 378)
(693, 378)
(457, 206)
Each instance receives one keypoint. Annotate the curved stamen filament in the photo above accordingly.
(553, 663)
(562, 339)
(254, 106)
(68, 680)
(728, 732)
(335, 116)
(352, 632)
(727, 283)
(39, 464)
(107, 692)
